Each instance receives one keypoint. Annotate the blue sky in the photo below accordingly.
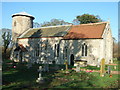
(45, 11)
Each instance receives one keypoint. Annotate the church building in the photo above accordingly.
(73, 43)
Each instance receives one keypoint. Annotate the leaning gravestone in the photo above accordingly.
(102, 68)
(40, 78)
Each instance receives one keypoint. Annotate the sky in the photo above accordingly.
(45, 11)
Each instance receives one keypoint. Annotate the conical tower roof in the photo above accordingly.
(22, 14)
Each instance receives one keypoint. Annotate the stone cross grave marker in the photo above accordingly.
(102, 68)
(66, 64)
(40, 78)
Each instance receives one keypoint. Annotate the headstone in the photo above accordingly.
(98, 66)
(46, 68)
(29, 65)
(109, 70)
(40, 78)
(102, 68)
(115, 67)
(78, 68)
(55, 65)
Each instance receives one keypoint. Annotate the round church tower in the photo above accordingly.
(20, 23)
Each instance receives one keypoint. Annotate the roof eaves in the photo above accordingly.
(105, 29)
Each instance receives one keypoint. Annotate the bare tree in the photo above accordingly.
(76, 22)
(54, 22)
(36, 25)
(6, 40)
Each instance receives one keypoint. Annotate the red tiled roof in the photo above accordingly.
(94, 30)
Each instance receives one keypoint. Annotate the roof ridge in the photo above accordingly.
(92, 23)
(53, 26)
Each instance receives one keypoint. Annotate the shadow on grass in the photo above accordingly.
(21, 77)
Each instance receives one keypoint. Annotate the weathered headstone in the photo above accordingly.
(98, 65)
(115, 67)
(46, 67)
(77, 68)
(102, 68)
(109, 70)
(40, 78)
(29, 65)
(56, 67)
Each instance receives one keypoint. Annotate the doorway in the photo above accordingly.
(72, 59)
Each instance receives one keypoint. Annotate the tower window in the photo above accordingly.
(15, 23)
(84, 50)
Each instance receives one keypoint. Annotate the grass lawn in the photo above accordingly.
(21, 77)
(106, 67)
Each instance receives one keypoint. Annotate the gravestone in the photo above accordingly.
(109, 70)
(115, 67)
(66, 64)
(46, 68)
(56, 67)
(40, 78)
(77, 68)
(102, 68)
(29, 65)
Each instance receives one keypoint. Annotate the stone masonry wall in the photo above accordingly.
(95, 52)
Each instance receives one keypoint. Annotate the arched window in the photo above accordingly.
(37, 50)
(15, 23)
(55, 50)
(58, 46)
(84, 50)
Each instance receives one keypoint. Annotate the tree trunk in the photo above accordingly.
(5, 52)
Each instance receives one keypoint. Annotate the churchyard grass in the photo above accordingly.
(20, 77)
(98, 68)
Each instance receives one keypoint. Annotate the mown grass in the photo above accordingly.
(21, 78)
(112, 67)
